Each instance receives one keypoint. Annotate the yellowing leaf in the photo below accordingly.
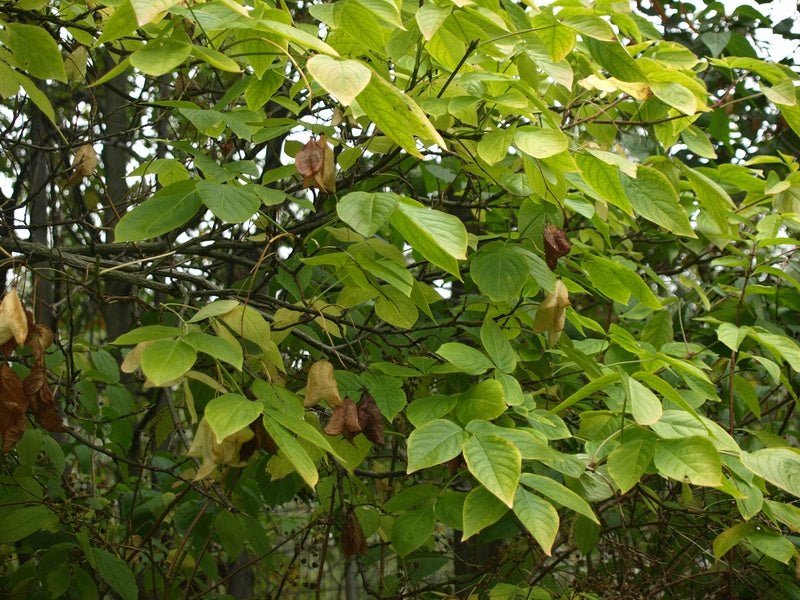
(345, 79)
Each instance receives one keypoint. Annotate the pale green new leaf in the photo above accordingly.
(652, 196)
(779, 466)
(230, 413)
(497, 346)
(167, 360)
(435, 442)
(439, 237)
(345, 79)
(644, 404)
(366, 212)
(481, 509)
(693, 459)
(484, 401)
(559, 494)
(537, 142)
(496, 463)
(538, 516)
(466, 359)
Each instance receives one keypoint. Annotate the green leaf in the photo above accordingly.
(148, 11)
(397, 115)
(230, 413)
(167, 209)
(618, 282)
(779, 466)
(214, 309)
(628, 462)
(714, 200)
(116, 573)
(435, 442)
(731, 335)
(122, 22)
(615, 59)
(167, 360)
(605, 180)
(293, 451)
(146, 333)
(412, 529)
(231, 203)
(538, 516)
(730, 537)
(558, 40)
(672, 92)
(493, 147)
(366, 212)
(300, 37)
(692, 459)
(481, 509)
(430, 17)
(498, 347)
(439, 237)
(161, 56)
(496, 463)
(537, 142)
(644, 404)
(780, 345)
(216, 59)
(220, 348)
(484, 401)
(345, 79)
(499, 272)
(466, 359)
(559, 494)
(18, 523)
(652, 196)
(37, 96)
(35, 51)
(396, 308)
(586, 391)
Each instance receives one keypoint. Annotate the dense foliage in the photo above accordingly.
(399, 299)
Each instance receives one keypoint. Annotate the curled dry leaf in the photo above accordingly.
(556, 245)
(13, 404)
(35, 385)
(205, 447)
(13, 320)
(315, 163)
(84, 164)
(354, 542)
(321, 385)
(552, 313)
(344, 420)
(370, 419)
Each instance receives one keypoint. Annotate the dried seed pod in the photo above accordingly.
(315, 163)
(556, 245)
(370, 419)
(354, 543)
(344, 420)
(321, 385)
(552, 313)
(13, 321)
(84, 164)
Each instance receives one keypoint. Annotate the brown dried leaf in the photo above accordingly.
(13, 320)
(556, 245)
(315, 163)
(344, 420)
(43, 406)
(354, 543)
(13, 404)
(321, 385)
(552, 313)
(370, 419)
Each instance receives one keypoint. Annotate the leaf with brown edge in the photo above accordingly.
(344, 420)
(13, 404)
(370, 419)
(552, 313)
(321, 385)
(315, 163)
(354, 543)
(13, 320)
(556, 245)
